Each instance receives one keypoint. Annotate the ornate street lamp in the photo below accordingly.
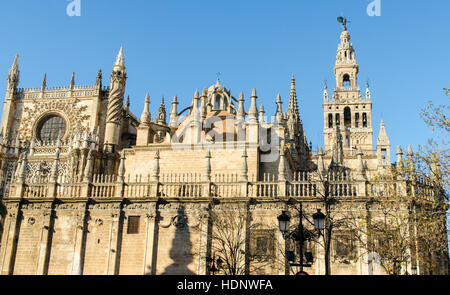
(283, 222)
(319, 220)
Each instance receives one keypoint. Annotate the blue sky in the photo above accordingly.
(174, 47)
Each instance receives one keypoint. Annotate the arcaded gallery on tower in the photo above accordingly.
(90, 188)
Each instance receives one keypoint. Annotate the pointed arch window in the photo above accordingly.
(356, 120)
(338, 119)
(330, 121)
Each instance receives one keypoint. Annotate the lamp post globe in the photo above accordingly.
(319, 220)
(283, 222)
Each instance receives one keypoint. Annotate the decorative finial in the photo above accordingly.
(218, 77)
(72, 80)
(120, 60)
(343, 21)
(44, 82)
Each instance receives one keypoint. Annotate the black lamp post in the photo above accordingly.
(299, 234)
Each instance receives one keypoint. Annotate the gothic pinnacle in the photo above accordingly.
(72, 80)
(253, 112)
(279, 113)
(241, 111)
(145, 117)
(15, 65)
(174, 113)
(44, 82)
(13, 76)
(120, 60)
(261, 113)
(293, 105)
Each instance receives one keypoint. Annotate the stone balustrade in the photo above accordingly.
(183, 186)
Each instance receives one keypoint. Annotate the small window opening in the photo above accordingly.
(347, 117)
(330, 121)
(133, 224)
(346, 81)
(364, 120)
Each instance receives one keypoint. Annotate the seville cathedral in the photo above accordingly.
(90, 188)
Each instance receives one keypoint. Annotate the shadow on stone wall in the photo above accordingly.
(181, 250)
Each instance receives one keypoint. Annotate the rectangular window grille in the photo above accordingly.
(133, 224)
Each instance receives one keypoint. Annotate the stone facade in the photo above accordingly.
(91, 189)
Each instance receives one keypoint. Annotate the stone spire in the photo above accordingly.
(119, 65)
(368, 94)
(174, 113)
(261, 113)
(383, 144)
(383, 139)
(293, 120)
(204, 104)
(279, 113)
(146, 117)
(325, 92)
(161, 116)
(72, 81)
(411, 167)
(44, 82)
(98, 80)
(14, 73)
(127, 103)
(241, 111)
(293, 105)
(399, 164)
(195, 110)
(253, 112)
(115, 101)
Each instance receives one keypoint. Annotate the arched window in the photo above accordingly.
(357, 120)
(347, 117)
(346, 80)
(338, 119)
(364, 120)
(51, 128)
(330, 121)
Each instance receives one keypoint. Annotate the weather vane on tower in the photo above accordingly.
(343, 21)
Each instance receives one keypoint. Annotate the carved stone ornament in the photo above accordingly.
(66, 108)
(31, 221)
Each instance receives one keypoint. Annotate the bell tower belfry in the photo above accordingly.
(347, 109)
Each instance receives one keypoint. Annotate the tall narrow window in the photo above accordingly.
(356, 120)
(347, 117)
(330, 121)
(338, 119)
(364, 120)
(133, 224)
